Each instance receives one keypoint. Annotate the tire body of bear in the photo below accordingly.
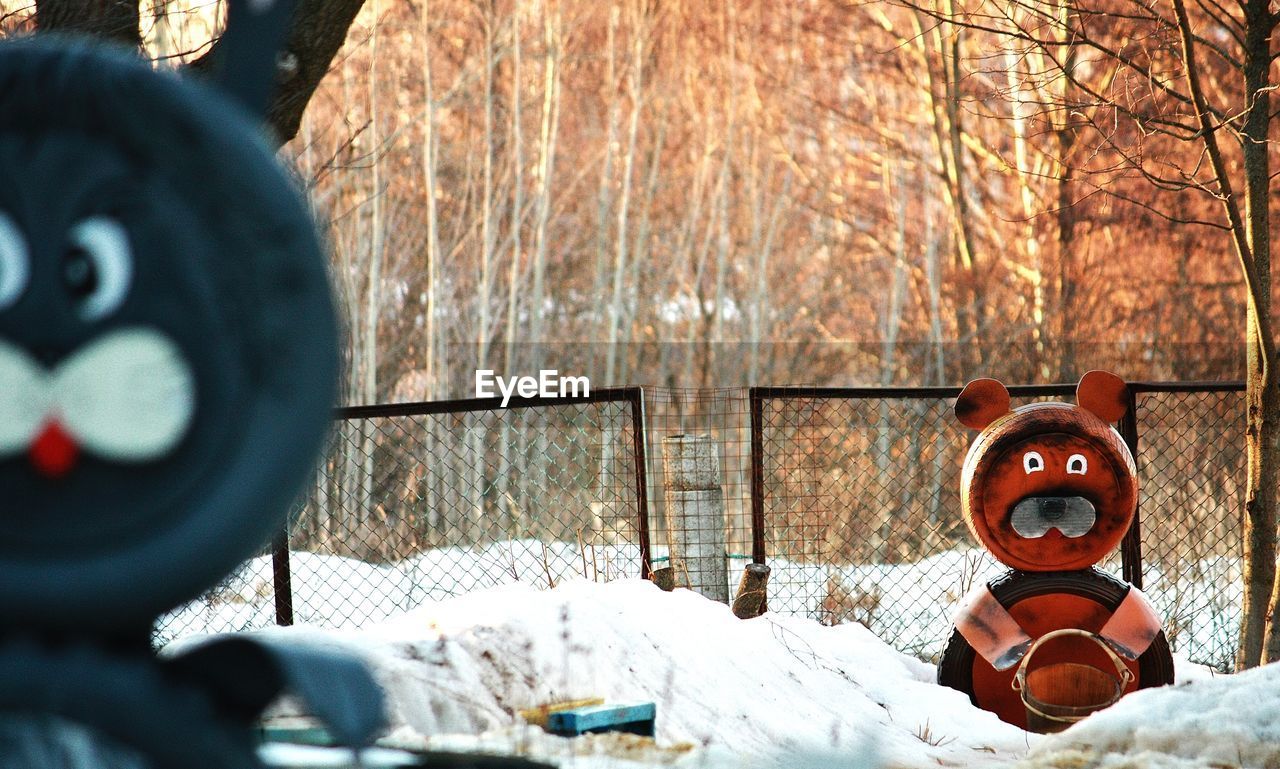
(1049, 489)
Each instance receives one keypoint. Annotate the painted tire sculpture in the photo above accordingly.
(168, 361)
(1042, 602)
(1049, 489)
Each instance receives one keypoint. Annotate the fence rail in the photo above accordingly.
(850, 494)
(855, 504)
(416, 502)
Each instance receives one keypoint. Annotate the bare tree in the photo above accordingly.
(1179, 86)
(316, 34)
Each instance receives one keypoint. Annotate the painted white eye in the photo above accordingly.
(1032, 462)
(97, 267)
(1077, 465)
(15, 262)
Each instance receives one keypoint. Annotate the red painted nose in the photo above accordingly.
(54, 452)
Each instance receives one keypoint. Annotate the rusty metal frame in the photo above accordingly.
(1130, 547)
(282, 583)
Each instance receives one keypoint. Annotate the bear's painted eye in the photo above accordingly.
(97, 267)
(1032, 462)
(15, 262)
(1077, 465)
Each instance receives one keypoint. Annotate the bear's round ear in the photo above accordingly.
(1104, 394)
(981, 402)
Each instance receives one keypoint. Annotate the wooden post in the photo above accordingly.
(281, 580)
(695, 514)
(750, 600)
(664, 578)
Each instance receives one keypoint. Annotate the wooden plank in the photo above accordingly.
(538, 716)
(296, 732)
(637, 718)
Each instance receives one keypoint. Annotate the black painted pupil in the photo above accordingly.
(1076, 464)
(79, 274)
(1034, 463)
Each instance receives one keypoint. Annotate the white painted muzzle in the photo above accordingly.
(127, 396)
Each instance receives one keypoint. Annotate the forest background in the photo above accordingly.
(828, 193)
(694, 195)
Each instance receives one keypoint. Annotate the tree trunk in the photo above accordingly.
(724, 237)
(116, 20)
(512, 362)
(1033, 271)
(1262, 397)
(430, 157)
(1261, 591)
(373, 287)
(947, 135)
(517, 193)
(888, 351)
(1065, 133)
(487, 234)
(622, 225)
(546, 169)
(603, 196)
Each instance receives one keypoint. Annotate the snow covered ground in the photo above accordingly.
(778, 690)
(775, 691)
(339, 592)
(910, 604)
(464, 638)
(772, 691)
(1210, 723)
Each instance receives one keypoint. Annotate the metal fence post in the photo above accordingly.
(1190, 450)
(639, 442)
(281, 581)
(1131, 545)
(757, 475)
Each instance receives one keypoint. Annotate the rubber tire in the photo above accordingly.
(955, 668)
(126, 700)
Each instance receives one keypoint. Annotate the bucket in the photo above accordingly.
(1058, 695)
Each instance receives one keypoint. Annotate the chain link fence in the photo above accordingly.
(850, 495)
(419, 502)
(859, 507)
(721, 416)
(1191, 466)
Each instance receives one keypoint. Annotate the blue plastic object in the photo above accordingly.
(637, 718)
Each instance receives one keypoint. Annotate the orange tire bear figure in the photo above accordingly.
(1049, 489)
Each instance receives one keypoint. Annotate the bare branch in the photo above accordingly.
(116, 20)
(1229, 202)
(316, 34)
(1020, 33)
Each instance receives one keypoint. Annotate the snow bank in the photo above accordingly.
(909, 604)
(765, 691)
(1207, 723)
(341, 592)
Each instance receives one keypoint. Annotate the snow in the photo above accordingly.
(762, 691)
(279, 754)
(340, 592)
(1207, 723)
(910, 603)
(458, 663)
